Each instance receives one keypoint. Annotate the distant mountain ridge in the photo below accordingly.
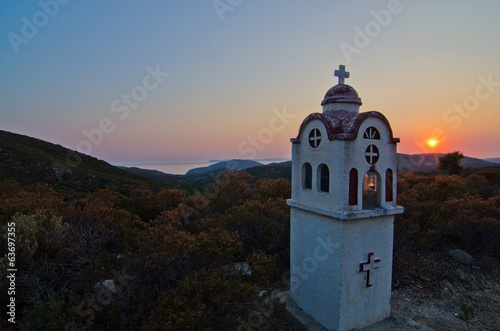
(430, 162)
(493, 159)
(406, 162)
(30, 160)
(235, 164)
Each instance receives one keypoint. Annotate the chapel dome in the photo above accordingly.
(341, 93)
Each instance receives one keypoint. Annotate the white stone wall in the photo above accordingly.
(329, 238)
(331, 153)
(325, 257)
(361, 305)
(315, 278)
(340, 157)
(350, 107)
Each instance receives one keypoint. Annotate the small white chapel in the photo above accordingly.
(343, 203)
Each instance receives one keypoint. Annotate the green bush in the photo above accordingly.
(448, 211)
(54, 313)
(206, 300)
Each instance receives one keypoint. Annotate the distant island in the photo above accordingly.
(228, 164)
(217, 161)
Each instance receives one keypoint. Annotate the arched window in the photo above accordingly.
(353, 187)
(324, 178)
(314, 138)
(307, 174)
(371, 190)
(389, 192)
(371, 133)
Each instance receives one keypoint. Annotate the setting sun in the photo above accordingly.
(432, 143)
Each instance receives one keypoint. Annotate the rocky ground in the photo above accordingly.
(445, 294)
(436, 291)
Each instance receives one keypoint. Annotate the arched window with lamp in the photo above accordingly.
(371, 190)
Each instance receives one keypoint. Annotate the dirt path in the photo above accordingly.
(436, 291)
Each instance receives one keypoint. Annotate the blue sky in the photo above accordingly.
(236, 78)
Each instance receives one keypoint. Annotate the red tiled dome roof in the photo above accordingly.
(343, 125)
(341, 93)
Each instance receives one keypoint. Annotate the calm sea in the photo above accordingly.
(180, 168)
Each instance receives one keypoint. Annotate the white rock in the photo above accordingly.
(108, 285)
(242, 267)
(461, 256)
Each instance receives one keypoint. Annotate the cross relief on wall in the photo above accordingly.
(368, 267)
(372, 154)
(314, 138)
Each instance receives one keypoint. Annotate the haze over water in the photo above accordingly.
(180, 168)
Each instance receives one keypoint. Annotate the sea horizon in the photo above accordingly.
(182, 167)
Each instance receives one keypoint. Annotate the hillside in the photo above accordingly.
(157, 175)
(417, 162)
(188, 182)
(429, 162)
(230, 165)
(29, 160)
(272, 171)
(493, 159)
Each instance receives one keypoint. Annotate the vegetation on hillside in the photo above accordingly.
(31, 161)
(450, 163)
(444, 211)
(171, 260)
(175, 260)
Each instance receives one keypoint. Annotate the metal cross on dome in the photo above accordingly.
(341, 74)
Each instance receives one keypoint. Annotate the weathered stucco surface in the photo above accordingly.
(332, 241)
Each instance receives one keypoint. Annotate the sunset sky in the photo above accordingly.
(135, 81)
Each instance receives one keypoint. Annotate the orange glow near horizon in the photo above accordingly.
(432, 143)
